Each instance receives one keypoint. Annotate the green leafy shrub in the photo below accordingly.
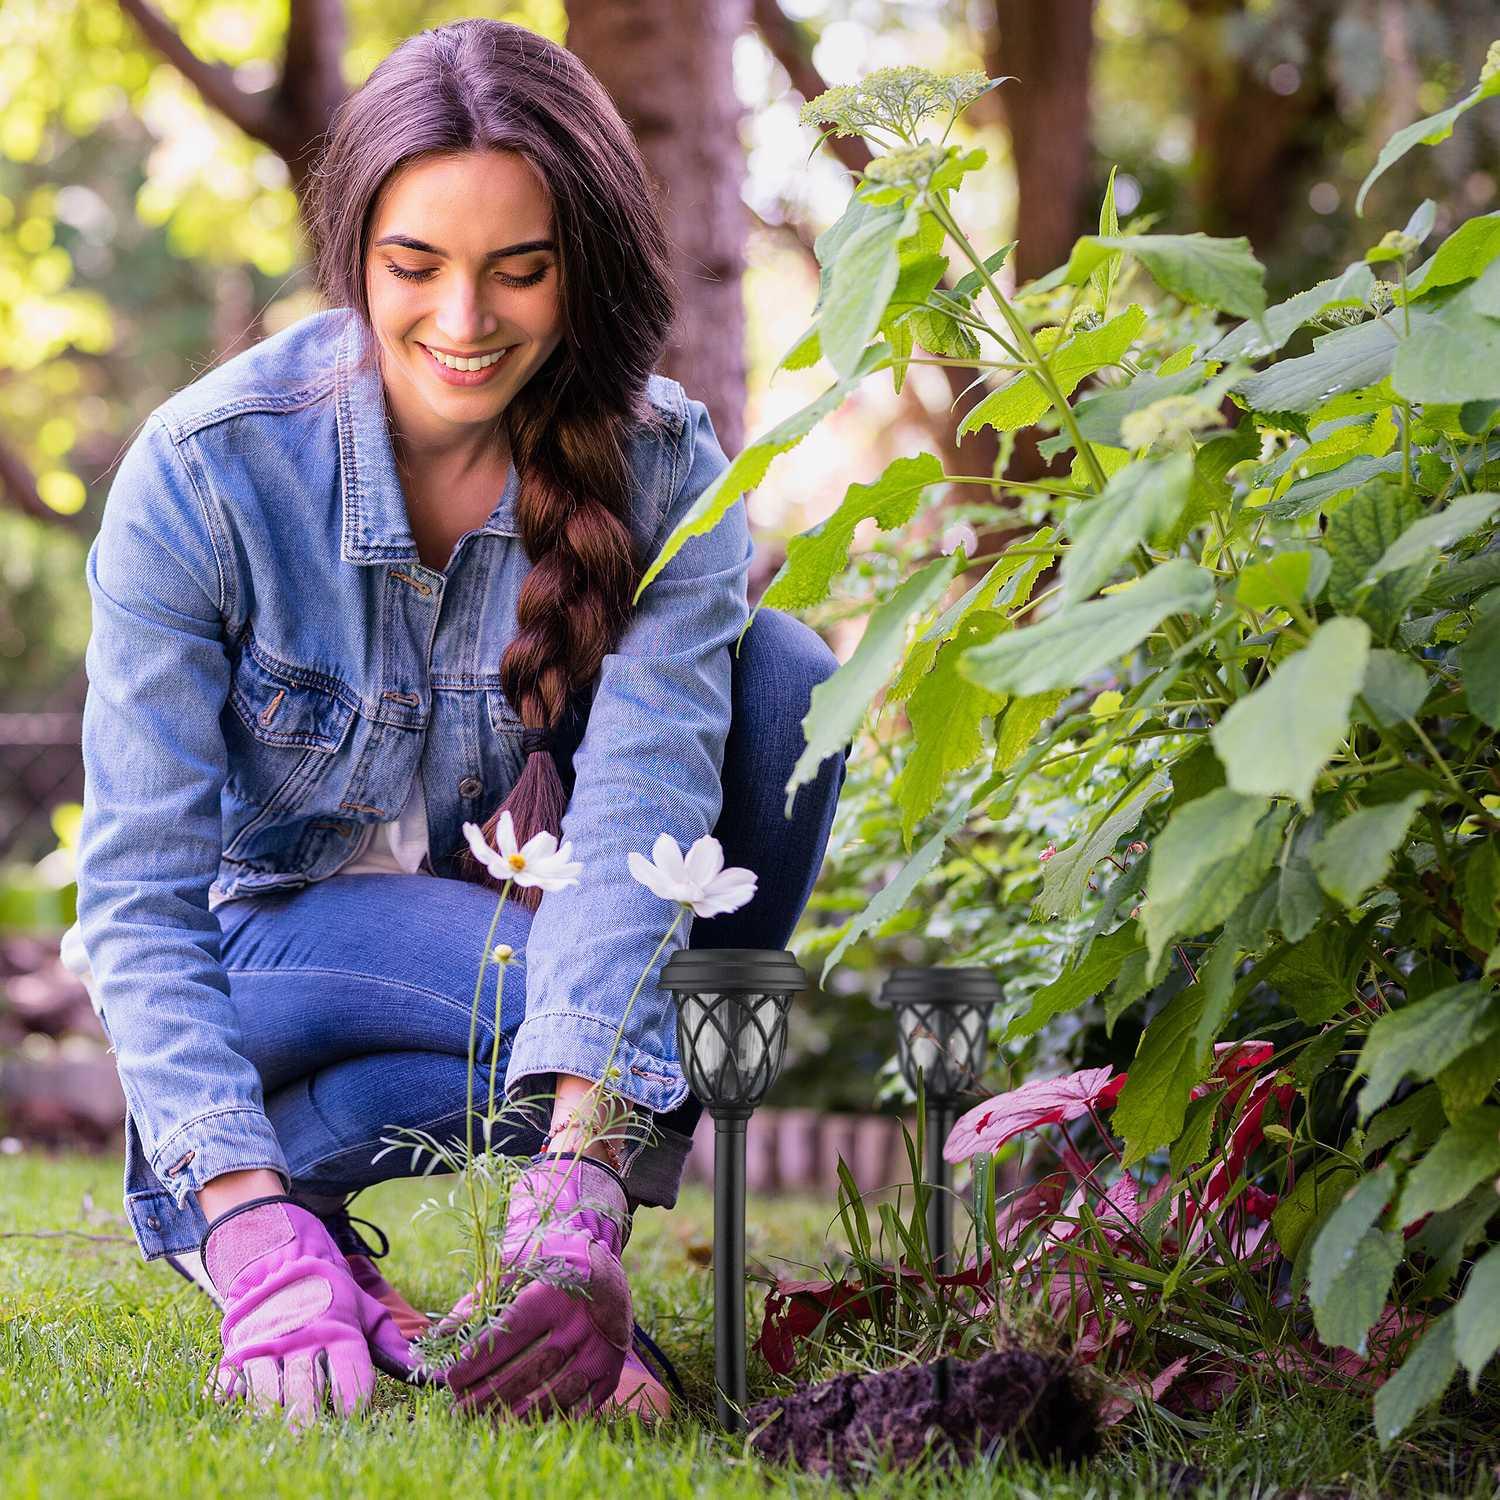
(1249, 647)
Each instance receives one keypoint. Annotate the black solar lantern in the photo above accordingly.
(942, 1034)
(732, 1007)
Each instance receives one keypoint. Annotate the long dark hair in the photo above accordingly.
(483, 85)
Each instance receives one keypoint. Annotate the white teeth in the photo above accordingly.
(468, 364)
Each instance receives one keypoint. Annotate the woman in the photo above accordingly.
(321, 644)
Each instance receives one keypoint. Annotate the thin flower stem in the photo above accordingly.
(478, 1212)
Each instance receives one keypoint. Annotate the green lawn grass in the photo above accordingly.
(103, 1357)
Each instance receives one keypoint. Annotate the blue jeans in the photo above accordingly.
(354, 993)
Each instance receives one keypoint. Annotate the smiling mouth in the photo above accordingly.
(468, 363)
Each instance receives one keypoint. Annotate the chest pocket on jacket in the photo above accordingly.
(281, 732)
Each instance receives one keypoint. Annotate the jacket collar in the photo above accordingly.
(376, 528)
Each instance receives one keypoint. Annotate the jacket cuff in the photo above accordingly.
(225, 1140)
(579, 1044)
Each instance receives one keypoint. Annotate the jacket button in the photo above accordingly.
(470, 786)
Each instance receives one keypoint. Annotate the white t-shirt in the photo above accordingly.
(398, 847)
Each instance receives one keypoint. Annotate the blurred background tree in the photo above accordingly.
(151, 157)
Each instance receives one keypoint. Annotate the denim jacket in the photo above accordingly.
(268, 652)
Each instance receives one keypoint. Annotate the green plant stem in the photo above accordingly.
(480, 1213)
(1041, 370)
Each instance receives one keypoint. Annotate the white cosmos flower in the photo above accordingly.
(538, 862)
(699, 880)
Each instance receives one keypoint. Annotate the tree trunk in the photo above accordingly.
(666, 63)
(1049, 49)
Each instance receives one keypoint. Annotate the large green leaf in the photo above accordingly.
(946, 711)
(840, 702)
(1423, 1038)
(1314, 976)
(1428, 132)
(750, 465)
(1141, 500)
(1464, 1155)
(1395, 687)
(818, 556)
(1210, 856)
(1352, 1262)
(1479, 660)
(1347, 359)
(864, 276)
(1065, 877)
(1419, 1382)
(1461, 257)
(1276, 740)
(1283, 581)
(1477, 1316)
(1066, 646)
(1168, 1062)
(1023, 400)
(1282, 320)
(1360, 535)
(1222, 273)
(1078, 983)
(1006, 585)
(1453, 356)
(1355, 853)
(1019, 724)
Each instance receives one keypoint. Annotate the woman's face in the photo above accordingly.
(461, 264)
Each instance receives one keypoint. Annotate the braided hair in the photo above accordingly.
(484, 85)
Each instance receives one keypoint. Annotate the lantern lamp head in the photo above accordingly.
(942, 1025)
(732, 1008)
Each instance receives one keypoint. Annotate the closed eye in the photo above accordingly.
(407, 275)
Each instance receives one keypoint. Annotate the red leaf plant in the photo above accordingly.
(1067, 1239)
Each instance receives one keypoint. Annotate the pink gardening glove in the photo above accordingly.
(297, 1328)
(562, 1342)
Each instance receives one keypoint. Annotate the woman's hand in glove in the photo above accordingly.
(297, 1329)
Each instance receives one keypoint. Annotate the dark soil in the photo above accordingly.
(1027, 1403)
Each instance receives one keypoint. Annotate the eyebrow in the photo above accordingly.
(409, 243)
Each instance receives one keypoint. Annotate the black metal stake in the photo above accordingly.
(729, 1270)
(939, 1174)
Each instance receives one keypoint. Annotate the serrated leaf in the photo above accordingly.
(946, 711)
(1352, 1263)
(1348, 359)
(1360, 535)
(1277, 739)
(1212, 272)
(1018, 727)
(1314, 976)
(1167, 1064)
(1209, 857)
(1453, 356)
(1077, 640)
(864, 276)
(1422, 1039)
(1143, 499)
(1463, 1156)
(1078, 983)
(1470, 1079)
(1477, 1316)
(1395, 687)
(1249, 341)
(1479, 660)
(1309, 495)
(818, 556)
(1065, 876)
(1481, 894)
(1461, 257)
(1283, 581)
(1023, 400)
(840, 702)
(1419, 1382)
(1434, 533)
(1355, 853)
(1195, 774)
(1313, 1197)
(1099, 417)
(750, 465)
